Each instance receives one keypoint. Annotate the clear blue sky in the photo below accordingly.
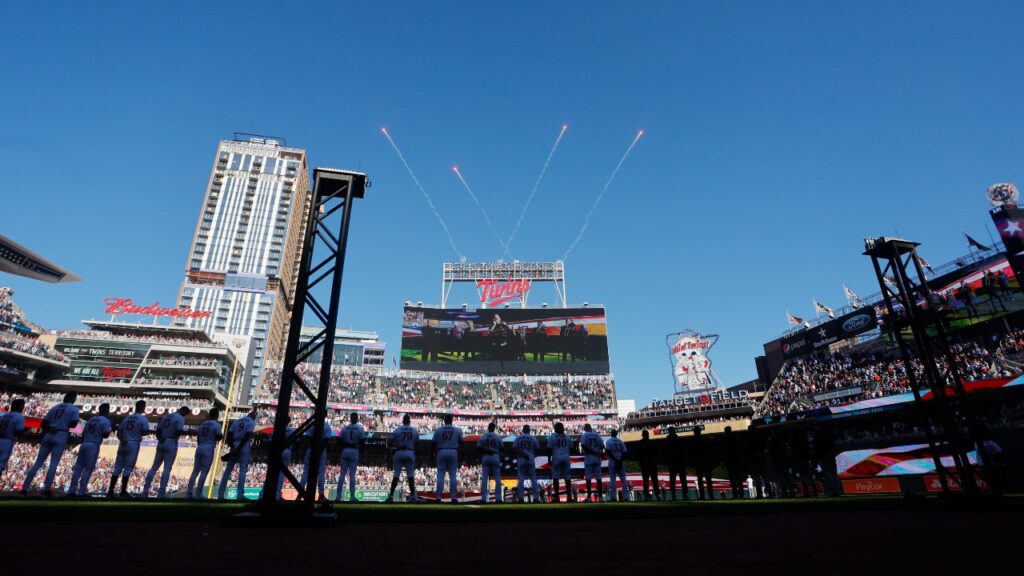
(778, 136)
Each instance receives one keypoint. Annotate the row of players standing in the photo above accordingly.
(61, 418)
(446, 441)
(760, 464)
(771, 459)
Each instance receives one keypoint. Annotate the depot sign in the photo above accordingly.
(495, 292)
(126, 306)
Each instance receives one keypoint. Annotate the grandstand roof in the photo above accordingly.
(110, 326)
(20, 261)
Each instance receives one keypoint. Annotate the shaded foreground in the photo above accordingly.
(846, 536)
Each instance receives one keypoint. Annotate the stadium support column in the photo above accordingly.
(910, 304)
(323, 259)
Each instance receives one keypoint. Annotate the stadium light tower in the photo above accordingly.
(323, 259)
(910, 303)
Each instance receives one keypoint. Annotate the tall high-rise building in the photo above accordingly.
(243, 264)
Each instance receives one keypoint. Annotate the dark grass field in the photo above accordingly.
(840, 536)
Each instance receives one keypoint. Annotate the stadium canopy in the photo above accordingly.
(18, 260)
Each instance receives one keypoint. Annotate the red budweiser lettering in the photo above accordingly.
(126, 306)
(494, 293)
(111, 374)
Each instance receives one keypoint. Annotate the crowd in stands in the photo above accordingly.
(24, 454)
(370, 477)
(680, 424)
(1013, 343)
(10, 365)
(147, 379)
(185, 361)
(348, 384)
(877, 374)
(133, 336)
(12, 330)
(374, 387)
(580, 393)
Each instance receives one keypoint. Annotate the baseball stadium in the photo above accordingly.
(248, 365)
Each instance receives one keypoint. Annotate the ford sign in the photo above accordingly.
(856, 323)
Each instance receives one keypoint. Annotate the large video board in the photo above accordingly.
(531, 341)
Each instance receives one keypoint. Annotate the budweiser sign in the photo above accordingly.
(494, 292)
(126, 306)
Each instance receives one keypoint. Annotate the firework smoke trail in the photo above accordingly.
(586, 221)
(481, 207)
(536, 185)
(430, 203)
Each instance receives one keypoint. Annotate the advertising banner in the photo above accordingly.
(795, 345)
(1009, 221)
(822, 335)
(872, 486)
(827, 333)
(856, 323)
(691, 367)
(530, 341)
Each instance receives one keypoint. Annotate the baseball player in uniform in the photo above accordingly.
(526, 447)
(96, 429)
(404, 439)
(490, 464)
(207, 436)
(167, 432)
(351, 438)
(559, 446)
(592, 446)
(56, 423)
(240, 450)
(12, 424)
(616, 465)
(129, 433)
(286, 460)
(321, 474)
(446, 445)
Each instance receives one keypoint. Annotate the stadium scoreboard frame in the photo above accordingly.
(500, 282)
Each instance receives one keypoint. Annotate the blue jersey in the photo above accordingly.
(559, 445)
(240, 428)
(96, 429)
(352, 435)
(327, 431)
(616, 448)
(61, 418)
(132, 428)
(526, 446)
(405, 438)
(171, 426)
(208, 433)
(592, 443)
(448, 437)
(490, 443)
(11, 424)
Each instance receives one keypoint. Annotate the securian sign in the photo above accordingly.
(126, 306)
(493, 293)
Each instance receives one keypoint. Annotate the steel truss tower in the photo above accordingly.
(318, 290)
(910, 303)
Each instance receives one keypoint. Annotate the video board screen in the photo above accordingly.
(532, 341)
(894, 461)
